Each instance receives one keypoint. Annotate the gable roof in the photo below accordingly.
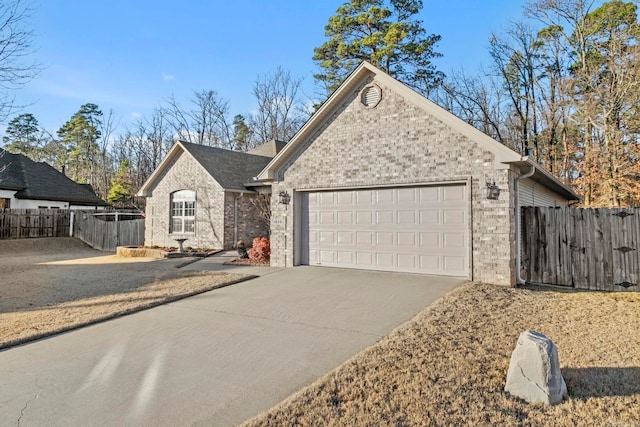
(230, 169)
(40, 181)
(503, 154)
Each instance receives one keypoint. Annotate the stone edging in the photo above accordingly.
(136, 251)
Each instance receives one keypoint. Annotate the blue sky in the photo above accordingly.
(129, 55)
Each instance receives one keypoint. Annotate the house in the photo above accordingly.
(25, 184)
(206, 195)
(381, 178)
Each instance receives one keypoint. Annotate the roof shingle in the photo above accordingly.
(231, 169)
(40, 181)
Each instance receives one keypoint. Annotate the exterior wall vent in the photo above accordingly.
(370, 96)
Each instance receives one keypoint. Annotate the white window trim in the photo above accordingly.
(183, 198)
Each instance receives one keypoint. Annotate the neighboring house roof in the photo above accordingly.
(269, 149)
(503, 154)
(39, 181)
(230, 169)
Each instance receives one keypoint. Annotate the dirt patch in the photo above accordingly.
(448, 365)
(56, 284)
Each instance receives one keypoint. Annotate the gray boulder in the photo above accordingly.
(534, 372)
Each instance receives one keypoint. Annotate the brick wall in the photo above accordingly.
(249, 223)
(399, 143)
(184, 173)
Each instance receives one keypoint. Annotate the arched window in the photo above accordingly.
(183, 211)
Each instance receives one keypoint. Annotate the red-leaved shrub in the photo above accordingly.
(261, 250)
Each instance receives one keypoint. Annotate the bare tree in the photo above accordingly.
(476, 100)
(280, 111)
(206, 122)
(262, 204)
(16, 67)
(104, 172)
(144, 144)
(604, 94)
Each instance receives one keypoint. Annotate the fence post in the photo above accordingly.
(117, 231)
(72, 215)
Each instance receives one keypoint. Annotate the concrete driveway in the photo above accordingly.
(215, 359)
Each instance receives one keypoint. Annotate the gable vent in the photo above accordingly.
(371, 96)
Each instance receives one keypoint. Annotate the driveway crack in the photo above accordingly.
(25, 408)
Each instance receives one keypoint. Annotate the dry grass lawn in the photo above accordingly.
(23, 326)
(448, 365)
(54, 285)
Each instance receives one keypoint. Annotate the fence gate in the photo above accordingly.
(596, 249)
(106, 231)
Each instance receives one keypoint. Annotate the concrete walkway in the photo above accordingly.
(215, 359)
(217, 263)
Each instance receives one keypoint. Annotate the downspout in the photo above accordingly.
(235, 221)
(519, 279)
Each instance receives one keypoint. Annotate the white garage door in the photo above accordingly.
(412, 229)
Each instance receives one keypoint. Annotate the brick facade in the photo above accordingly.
(215, 209)
(398, 143)
(249, 225)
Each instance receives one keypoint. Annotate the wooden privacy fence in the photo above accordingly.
(596, 249)
(106, 231)
(24, 223)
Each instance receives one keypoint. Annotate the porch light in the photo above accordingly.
(491, 191)
(284, 198)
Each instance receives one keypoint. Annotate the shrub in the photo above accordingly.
(261, 250)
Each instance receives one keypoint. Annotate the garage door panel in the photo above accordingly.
(326, 199)
(364, 218)
(313, 257)
(345, 258)
(454, 240)
(384, 238)
(454, 264)
(429, 194)
(430, 240)
(454, 217)
(326, 218)
(364, 197)
(430, 262)
(327, 257)
(406, 217)
(384, 217)
(384, 196)
(345, 238)
(385, 260)
(345, 198)
(406, 195)
(407, 261)
(345, 217)
(453, 193)
(412, 229)
(407, 239)
(313, 218)
(430, 217)
(327, 238)
(364, 259)
(364, 238)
